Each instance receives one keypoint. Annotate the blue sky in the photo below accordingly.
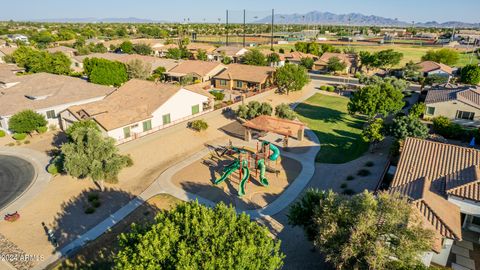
(197, 10)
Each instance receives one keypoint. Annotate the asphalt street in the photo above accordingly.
(16, 174)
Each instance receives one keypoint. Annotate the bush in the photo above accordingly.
(19, 136)
(343, 185)
(350, 177)
(26, 142)
(444, 126)
(254, 109)
(42, 129)
(2, 133)
(284, 111)
(89, 210)
(363, 172)
(26, 121)
(10, 144)
(198, 125)
(96, 203)
(330, 88)
(219, 96)
(52, 169)
(93, 197)
(323, 87)
(369, 164)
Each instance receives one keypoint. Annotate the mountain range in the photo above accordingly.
(317, 17)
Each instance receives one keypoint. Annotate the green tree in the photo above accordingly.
(202, 55)
(35, 61)
(273, 58)
(127, 47)
(226, 60)
(158, 74)
(89, 154)
(348, 232)
(404, 126)
(254, 57)
(335, 64)
(137, 69)
(307, 62)
(470, 74)
(417, 110)
(26, 121)
(291, 77)
(193, 236)
(411, 70)
(284, 111)
(375, 99)
(435, 79)
(388, 58)
(368, 60)
(254, 109)
(80, 125)
(373, 132)
(445, 56)
(143, 49)
(105, 72)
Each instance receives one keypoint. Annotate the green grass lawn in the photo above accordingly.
(339, 133)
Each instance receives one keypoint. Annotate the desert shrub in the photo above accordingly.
(350, 177)
(330, 88)
(42, 129)
(26, 121)
(93, 197)
(52, 169)
(363, 172)
(343, 185)
(26, 142)
(10, 144)
(369, 164)
(219, 96)
(199, 125)
(2, 133)
(284, 111)
(323, 88)
(19, 136)
(89, 210)
(96, 203)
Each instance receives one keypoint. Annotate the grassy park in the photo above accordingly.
(339, 133)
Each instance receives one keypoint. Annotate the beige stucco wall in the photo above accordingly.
(449, 109)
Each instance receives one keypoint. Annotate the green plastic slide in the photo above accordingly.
(261, 165)
(275, 151)
(245, 177)
(228, 170)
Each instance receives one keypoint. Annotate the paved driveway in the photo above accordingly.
(16, 174)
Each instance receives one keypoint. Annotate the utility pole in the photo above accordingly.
(244, 28)
(226, 29)
(271, 40)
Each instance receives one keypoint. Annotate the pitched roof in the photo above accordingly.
(202, 68)
(133, 102)
(248, 73)
(201, 46)
(44, 90)
(229, 50)
(297, 56)
(345, 58)
(7, 50)
(467, 95)
(429, 171)
(429, 66)
(156, 62)
(63, 49)
(8, 71)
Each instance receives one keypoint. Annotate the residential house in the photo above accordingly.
(442, 181)
(45, 93)
(193, 48)
(429, 68)
(235, 53)
(141, 107)
(200, 71)
(6, 50)
(350, 61)
(155, 62)
(162, 50)
(460, 104)
(296, 57)
(68, 51)
(18, 38)
(244, 77)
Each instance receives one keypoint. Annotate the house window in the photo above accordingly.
(147, 125)
(430, 110)
(465, 115)
(195, 109)
(126, 132)
(239, 84)
(223, 82)
(166, 119)
(51, 114)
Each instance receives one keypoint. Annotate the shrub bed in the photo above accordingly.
(19, 136)
(198, 125)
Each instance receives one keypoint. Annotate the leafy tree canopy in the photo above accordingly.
(254, 109)
(26, 121)
(137, 69)
(105, 72)
(35, 61)
(404, 126)
(445, 56)
(193, 236)
(470, 74)
(372, 100)
(254, 57)
(374, 131)
(334, 64)
(307, 62)
(126, 47)
(291, 77)
(284, 111)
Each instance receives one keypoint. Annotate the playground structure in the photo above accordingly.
(259, 160)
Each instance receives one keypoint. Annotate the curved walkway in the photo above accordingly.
(163, 185)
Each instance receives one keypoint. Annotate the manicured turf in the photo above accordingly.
(339, 133)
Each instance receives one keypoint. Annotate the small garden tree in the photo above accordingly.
(158, 74)
(373, 132)
(198, 125)
(254, 57)
(273, 58)
(89, 154)
(388, 58)
(334, 64)
(376, 99)
(126, 47)
(404, 126)
(202, 55)
(254, 109)
(470, 74)
(291, 77)
(143, 49)
(445, 56)
(367, 231)
(105, 72)
(284, 111)
(193, 236)
(26, 121)
(417, 110)
(307, 62)
(137, 69)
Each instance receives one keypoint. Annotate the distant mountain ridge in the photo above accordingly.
(317, 17)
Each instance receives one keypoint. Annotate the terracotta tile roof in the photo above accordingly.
(428, 171)
(467, 95)
(49, 90)
(275, 124)
(346, 58)
(202, 68)
(247, 73)
(429, 66)
(156, 62)
(133, 102)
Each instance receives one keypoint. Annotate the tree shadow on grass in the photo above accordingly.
(340, 146)
(324, 114)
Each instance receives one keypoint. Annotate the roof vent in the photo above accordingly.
(37, 97)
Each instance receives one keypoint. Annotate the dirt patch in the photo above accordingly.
(199, 176)
(99, 253)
